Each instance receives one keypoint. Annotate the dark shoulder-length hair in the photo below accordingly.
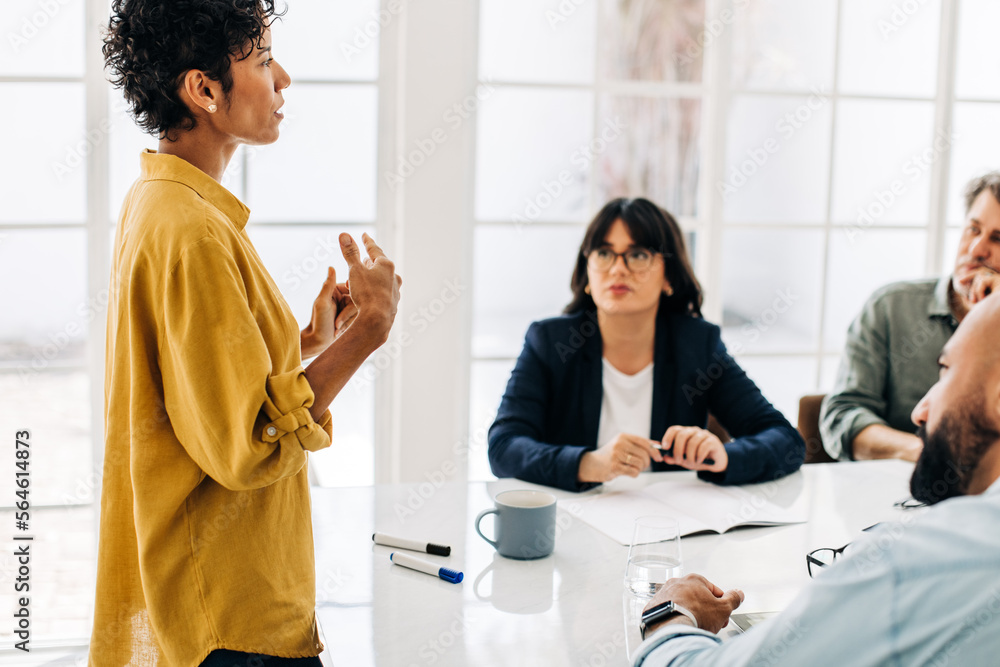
(150, 44)
(651, 227)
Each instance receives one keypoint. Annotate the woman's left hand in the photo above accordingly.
(691, 447)
(333, 311)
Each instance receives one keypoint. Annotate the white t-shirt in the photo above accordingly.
(627, 405)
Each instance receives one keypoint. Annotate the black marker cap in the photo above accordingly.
(438, 550)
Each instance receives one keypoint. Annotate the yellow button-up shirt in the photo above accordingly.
(205, 536)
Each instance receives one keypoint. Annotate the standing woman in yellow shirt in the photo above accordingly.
(206, 550)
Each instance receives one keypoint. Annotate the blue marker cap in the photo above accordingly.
(451, 575)
(408, 561)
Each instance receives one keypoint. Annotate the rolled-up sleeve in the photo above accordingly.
(858, 397)
(287, 401)
(245, 423)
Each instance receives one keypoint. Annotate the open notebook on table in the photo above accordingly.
(697, 506)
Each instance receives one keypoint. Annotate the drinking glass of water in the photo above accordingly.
(654, 555)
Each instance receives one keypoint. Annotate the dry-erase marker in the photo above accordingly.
(412, 545)
(432, 569)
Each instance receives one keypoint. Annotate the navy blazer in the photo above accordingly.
(551, 410)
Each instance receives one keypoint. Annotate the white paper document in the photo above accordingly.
(697, 506)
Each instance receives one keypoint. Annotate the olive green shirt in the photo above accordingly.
(889, 361)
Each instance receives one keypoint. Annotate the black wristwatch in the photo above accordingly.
(661, 612)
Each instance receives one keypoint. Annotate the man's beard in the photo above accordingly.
(951, 455)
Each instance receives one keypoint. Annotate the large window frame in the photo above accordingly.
(717, 93)
(404, 75)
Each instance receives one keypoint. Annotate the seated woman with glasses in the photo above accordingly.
(627, 377)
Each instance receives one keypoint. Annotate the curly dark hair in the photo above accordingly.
(651, 227)
(150, 44)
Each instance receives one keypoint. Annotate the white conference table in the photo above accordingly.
(569, 609)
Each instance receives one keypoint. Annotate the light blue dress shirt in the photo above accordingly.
(923, 592)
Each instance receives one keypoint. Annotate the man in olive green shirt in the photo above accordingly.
(890, 359)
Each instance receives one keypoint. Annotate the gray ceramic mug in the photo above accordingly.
(525, 524)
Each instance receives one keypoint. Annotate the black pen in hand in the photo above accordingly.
(668, 451)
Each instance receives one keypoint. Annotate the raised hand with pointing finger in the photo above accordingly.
(373, 286)
(365, 316)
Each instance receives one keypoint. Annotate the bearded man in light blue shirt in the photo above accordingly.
(925, 594)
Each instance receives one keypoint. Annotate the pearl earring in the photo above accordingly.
(587, 289)
(669, 290)
(212, 108)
